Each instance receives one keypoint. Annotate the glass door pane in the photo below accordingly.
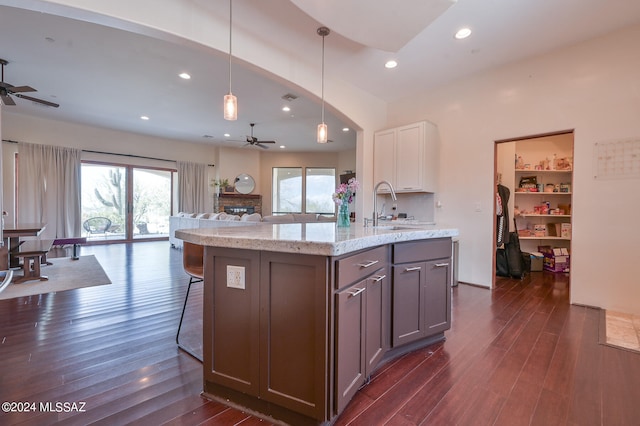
(103, 197)
(151, 201)
(287, 190)
(321, 184)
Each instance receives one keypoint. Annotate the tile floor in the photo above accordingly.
(623, 330)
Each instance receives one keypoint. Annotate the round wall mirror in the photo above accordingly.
(244, 184)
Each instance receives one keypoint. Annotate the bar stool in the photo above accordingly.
(193, 264)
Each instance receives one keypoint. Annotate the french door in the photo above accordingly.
(124, 202)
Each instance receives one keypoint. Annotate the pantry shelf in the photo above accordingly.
(544, 215)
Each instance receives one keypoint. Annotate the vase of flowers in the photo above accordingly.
(343, 197)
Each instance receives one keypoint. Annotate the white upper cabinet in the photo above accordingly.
(407, 156)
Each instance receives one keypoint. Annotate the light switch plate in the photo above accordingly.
(235, 277)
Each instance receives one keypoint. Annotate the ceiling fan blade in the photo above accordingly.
(266, 141)
(6, 99)
(18, 89)
(40, 101)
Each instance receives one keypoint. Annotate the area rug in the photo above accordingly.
(64, 274)
(620, 330)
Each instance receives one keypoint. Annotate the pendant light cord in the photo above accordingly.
(230, 21)
(322, 90)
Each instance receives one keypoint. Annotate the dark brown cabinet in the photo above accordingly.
(294, 336)
(362, 320)
(267, 339)
(408, 303)
(421, 290)
(437, 296)
(362, 337)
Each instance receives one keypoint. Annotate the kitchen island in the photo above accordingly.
(296, 317)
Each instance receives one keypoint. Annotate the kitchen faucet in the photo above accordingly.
(375, 199)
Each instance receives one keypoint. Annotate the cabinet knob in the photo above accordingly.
(367, 264)
(413, 268)
(378, 278)
(355, 291)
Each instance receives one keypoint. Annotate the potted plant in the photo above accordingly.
(221, 184)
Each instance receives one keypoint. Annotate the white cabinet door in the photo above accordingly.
(407, 156)
(410, 157)
(384, 157)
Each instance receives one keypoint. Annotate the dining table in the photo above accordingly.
(11, 235)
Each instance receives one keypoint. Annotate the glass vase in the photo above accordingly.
(344, 221)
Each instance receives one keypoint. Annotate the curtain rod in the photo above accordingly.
(113, 153)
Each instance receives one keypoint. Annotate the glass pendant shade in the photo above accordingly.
(322, 133)
(230, 107)
(230, 101)
(322, 127)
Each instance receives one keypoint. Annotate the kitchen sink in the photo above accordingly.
(392, 227)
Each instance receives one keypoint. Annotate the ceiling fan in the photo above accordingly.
(251, 140)
(7, 89)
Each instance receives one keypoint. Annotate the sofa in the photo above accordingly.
(219, 220)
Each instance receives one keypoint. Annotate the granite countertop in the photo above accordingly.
(310, 238)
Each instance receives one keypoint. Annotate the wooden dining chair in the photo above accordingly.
(193, 264)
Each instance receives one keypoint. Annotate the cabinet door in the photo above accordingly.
(384, 158)
(350, 353)
(408, 303)
(410, 157)
(377, 318)
(231, 356)
(293, 331)
(438, 296)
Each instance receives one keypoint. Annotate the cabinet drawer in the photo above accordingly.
(358, 266)
(415, 251)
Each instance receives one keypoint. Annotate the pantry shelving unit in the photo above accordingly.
(537, 223)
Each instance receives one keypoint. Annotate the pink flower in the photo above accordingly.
(345, 192)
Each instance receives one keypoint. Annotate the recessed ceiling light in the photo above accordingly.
(463, 33)
(282, 147)
(345, 129)
(391, 64)
(227, 135)
(286, 108)
(144, 117)
(184, 75)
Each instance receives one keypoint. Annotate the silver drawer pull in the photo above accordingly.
(441, 265)
(355, 292)
(377, 278)
(413, 268)
(367, 264)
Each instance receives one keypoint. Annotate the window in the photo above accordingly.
(287, 190)
(135, 200)
(320, 184)
(293, 194)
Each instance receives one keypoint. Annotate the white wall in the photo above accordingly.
(593, 88)
(21, 128)
(229, 162)
(235, 161)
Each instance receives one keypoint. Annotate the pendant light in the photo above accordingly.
(230, 101)
(322, 128)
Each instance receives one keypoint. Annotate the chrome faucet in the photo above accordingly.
(375, 199)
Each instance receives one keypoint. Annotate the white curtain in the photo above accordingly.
(192, 187)
(49, 189)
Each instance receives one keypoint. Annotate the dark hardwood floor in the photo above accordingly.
(519, 354)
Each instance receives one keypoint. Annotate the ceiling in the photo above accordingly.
(108, 77)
